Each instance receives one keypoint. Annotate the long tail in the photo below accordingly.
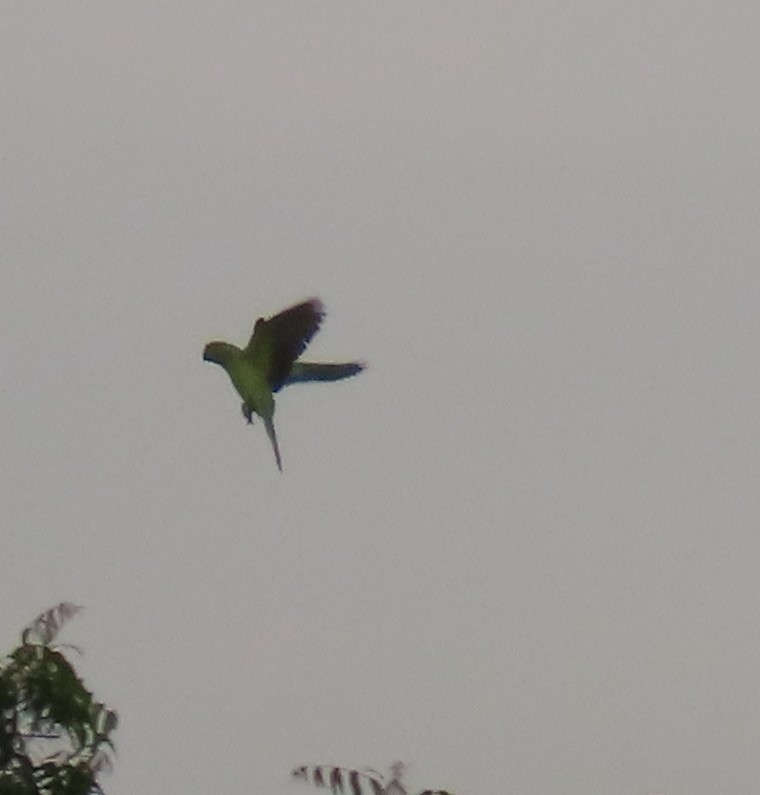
(319, 371)
(271, 433)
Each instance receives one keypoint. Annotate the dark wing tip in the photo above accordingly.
(316, 304)
(316, 308)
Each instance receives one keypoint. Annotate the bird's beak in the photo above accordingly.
(207, 353)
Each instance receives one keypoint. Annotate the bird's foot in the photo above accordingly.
(247, 413)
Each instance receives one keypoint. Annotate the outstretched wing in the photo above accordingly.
(342, 779)
(277, 342)
(321, 371)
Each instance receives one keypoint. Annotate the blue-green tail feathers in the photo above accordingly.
(301, 372)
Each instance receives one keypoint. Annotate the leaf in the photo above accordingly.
(357, 782)
(338, 779)
(44, 629)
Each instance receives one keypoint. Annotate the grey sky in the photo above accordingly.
(520, 552)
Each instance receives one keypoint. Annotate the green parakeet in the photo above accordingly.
(268, 362)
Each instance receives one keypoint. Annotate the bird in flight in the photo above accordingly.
(270, 361)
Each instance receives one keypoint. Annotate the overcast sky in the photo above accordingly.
(521, 551)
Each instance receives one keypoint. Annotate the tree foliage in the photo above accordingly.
(55, 738)
(358, 782)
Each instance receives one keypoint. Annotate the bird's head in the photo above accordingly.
(219, 352)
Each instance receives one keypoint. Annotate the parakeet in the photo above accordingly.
(268, 362)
